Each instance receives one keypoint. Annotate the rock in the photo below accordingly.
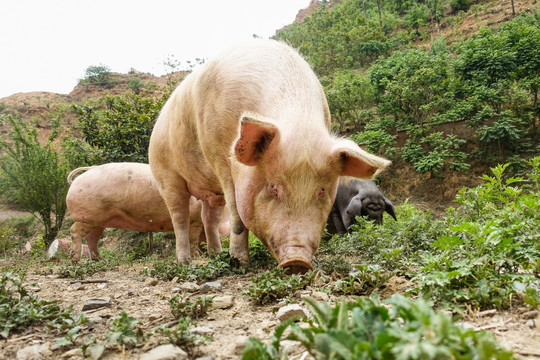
(174, 279)
(102, 286)
(240, 343)
(206, 358)
(96, 303)
(95, 319)
(153, 317)
(203, 330)
(223, 302)
(165, 352)
(152, 282)
(190, 287)
(530, 314)
(468, 326)
(320, 296)
(34, 352)
(210, 286)
(73, 353)
(131, 292)
(286, 312)
(531, 324)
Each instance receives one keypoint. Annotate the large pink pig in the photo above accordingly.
(122, 196)
(250, 128)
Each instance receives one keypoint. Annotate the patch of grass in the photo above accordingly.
(490, 250)
(20, 309)
(181, 335)
(364, 280)
(90, 267)
(272, 285)
(366, 329)
(181, 307)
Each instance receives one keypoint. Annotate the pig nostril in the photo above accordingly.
(296, 267)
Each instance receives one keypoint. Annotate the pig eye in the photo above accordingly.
(322, 192)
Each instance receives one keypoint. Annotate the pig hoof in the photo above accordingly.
(296, 266)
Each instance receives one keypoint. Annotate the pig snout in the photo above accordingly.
(295, 258)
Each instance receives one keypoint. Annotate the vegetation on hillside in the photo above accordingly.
(380, 83)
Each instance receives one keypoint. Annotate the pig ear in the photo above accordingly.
(356, 162)
(389, 207)
(255, 138)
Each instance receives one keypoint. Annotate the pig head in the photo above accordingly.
(251, 129)
(357, 198)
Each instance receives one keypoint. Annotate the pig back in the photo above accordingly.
(118, 192)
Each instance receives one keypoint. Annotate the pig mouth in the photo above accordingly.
(296, 265)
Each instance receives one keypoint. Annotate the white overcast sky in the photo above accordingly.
(46, 45)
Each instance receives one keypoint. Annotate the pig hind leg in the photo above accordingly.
(79, 231)
(92, 240)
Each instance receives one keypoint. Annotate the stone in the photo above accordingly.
(320, 296)
(152, 282)
(96, 303)
(240, 343)
(34, 352)
(165, 352)
(203, 330)
(102, 286)
(189, 287)
(131, 292)
(530, 324)
(73, 353)
(288, 311)
(153, 317)
(211, 286)
(222, 302)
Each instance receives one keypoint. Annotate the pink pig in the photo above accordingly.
(122, 196)
(250, 128)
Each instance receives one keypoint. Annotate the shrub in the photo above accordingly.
(366, 329)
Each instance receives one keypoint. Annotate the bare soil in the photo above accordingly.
(146, 299)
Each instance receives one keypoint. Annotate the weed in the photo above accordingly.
(365, 280)
(272, 285)
(124, 331)
(90, 267)
(181, 335)
(490, 250)
(181, 307)
(366, 329)
(20, 309)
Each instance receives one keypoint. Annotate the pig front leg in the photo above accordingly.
(239, 247)
(211, 217)
(179, 210)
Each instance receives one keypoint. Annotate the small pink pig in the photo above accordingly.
(250, 128)
(122, 196)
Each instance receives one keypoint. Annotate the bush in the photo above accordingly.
(33, 176)
(366, 329)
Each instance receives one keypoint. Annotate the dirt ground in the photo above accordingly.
(146, 299)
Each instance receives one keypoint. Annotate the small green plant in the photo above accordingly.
(490, 251)
(181, 307)
(124, 331)
(272, 285)
(366, 329)
(7, 239)
(20, 309)
(89, 267)
(365, 280)
(182, 336)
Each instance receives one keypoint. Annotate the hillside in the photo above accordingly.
(400, 182)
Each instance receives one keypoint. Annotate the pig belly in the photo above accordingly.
(141, 225)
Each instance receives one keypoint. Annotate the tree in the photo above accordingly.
(120, 128)
(98, 75)
(33, 176)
